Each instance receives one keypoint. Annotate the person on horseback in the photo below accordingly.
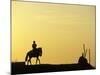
(35, 52)
(34, 45)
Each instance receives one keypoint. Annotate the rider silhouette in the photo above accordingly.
(34, 45)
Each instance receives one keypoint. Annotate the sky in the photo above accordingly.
(60, 29)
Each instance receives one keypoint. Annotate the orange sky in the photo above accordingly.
(60, 29)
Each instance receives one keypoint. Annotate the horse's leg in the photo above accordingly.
(30, 62)
(27, 62)
(26, 59)
(36, 60)
(39, 61)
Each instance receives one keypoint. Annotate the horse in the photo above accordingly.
(33, 53)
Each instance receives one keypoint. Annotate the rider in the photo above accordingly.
(34, 45)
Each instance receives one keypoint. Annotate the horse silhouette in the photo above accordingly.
(33, 53)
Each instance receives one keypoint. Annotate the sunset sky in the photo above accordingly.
(60, 29)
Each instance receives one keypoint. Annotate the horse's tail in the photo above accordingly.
(26, 57)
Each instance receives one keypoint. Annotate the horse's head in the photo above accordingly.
(39, 48)
(40, 51)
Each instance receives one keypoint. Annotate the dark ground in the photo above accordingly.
(21, 68)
